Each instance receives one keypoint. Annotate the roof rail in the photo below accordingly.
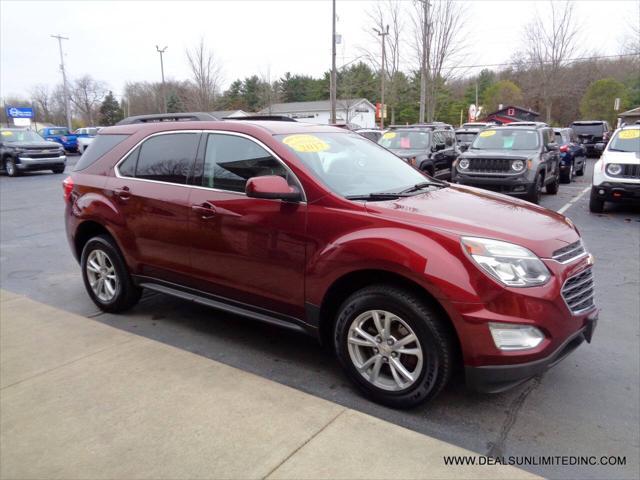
(168, 117)
(276, 118)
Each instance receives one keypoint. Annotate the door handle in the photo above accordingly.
(123, 193)
(205, 210)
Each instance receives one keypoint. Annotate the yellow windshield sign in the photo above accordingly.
(488, 133)
(6, 133)
(389, 135)
(629, 134)
(304, 143)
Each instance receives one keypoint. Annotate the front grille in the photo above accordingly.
(489, 165)
(46, 153)
(569, 252)
(630, 171)
(577, 292)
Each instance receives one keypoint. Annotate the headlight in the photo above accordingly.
(614, 169)
(463, 164)
(510, 264)
(517, 165)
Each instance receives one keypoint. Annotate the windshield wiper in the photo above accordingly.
(376, 196)
(422, 186)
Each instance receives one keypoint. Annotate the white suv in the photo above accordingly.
(616, 176)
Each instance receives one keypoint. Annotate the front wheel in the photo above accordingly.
(596, 204)
(10, 167)
(106, 277)
(58, 170)
(580, 172)
(393, 346)
(535, 190)
(567, 177)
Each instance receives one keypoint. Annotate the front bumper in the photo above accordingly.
(618, 192)
(517, 185)
(26, 163)
(497, 378)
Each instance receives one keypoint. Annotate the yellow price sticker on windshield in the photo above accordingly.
(629, 134)
(6, 133)
(306, 143)
(488, 133)
(389, 135)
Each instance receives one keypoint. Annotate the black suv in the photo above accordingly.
(24, 150)
(428, 147)
(516, 160)
(590, 133)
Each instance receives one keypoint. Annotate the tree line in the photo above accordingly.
(425, 76)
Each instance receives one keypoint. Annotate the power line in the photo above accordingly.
(569, 60)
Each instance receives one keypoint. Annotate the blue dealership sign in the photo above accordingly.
(19, 112)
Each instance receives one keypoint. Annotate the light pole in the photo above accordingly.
(423, 63)
(67, 107)
(164, 96)
(332, 87)
(382, 33)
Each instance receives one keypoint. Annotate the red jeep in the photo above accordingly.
(318, 229)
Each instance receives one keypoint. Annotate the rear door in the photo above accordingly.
(551, 157)
(151, 194)
(246, 249)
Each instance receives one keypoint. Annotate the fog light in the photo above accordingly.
(519, 188)
(510, 336)
(601, 192)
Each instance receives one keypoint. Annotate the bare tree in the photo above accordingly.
(86, 95)
(206, 76)
(438, 41)
(550, 39)
(389, 13)
(41, 98)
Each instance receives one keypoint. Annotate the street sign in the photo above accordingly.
(19, 112)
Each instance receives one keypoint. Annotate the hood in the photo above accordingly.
(621, 157)
(475, 212)
(35, 145)
(508, 154)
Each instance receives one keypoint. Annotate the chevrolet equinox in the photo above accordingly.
(318, 229)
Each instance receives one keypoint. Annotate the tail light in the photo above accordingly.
(564, 148)
(67, 188)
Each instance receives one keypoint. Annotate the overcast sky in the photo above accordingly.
(114, 41)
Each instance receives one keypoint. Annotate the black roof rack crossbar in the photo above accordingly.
(168, 117)
(277, 118)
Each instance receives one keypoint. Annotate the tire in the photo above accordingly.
(58, 170)
(553, 187)
(10, 167)
(596, 204)
(567, 177)
(535, 190)
(580, 172)
(125, 294)
(429, 370)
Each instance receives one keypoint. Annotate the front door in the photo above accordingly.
(246, 249)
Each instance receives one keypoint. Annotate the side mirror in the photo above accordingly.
(599, 147)
(552, 146)
(272, 187)
(437, 147)
(448, 142)
(463, 148)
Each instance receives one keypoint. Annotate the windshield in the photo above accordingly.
(626, 141)
(465, 136)
(405, 140)
(58, 131)
(349, 164)
(588, 128)
(20, 136)
(506, 139)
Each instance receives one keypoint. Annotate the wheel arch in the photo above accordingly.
(87, 230)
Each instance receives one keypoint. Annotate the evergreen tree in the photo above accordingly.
(110, 111)
(174, 103)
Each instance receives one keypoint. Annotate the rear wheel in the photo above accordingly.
(596, 204)
(393, 346)
(10, 167)
(106, 277)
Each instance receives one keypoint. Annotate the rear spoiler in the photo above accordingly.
(169, 117)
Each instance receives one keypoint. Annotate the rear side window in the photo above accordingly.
(100, 145)
(167, 158)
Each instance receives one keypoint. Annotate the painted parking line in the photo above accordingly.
(566, 206)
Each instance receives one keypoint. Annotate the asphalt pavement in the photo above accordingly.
(587, 405)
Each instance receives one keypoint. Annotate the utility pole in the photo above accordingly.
(423, 63)
(65, 87)
(164, 95)
(332, 89)
(382, 33)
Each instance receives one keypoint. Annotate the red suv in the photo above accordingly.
(318, 229)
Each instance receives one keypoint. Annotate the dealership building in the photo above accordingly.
(358, 111)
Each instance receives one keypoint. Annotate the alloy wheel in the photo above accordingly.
(385, 350)
(102, 275)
